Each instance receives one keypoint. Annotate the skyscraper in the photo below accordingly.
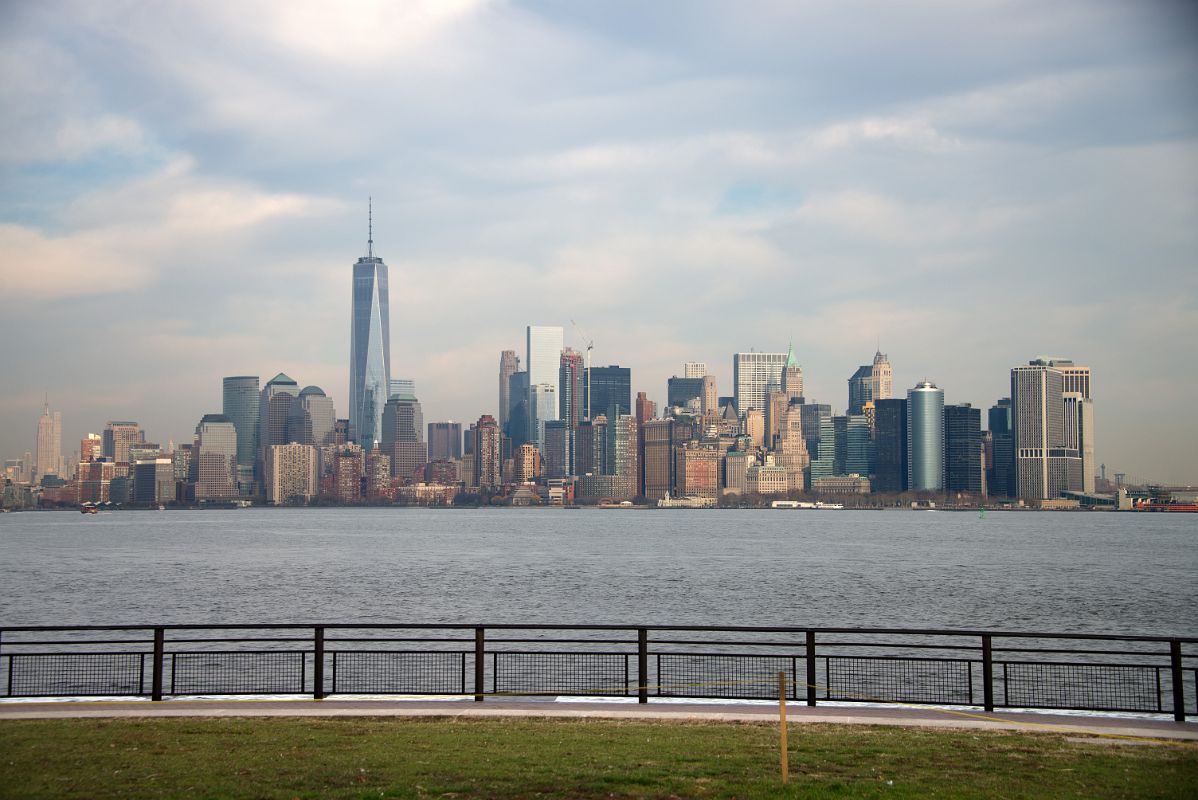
(571, 379)
(870, 382)
(1045, 465)
(240, 398)
(402, 435)
(518, 414)
(752, 375)
(963, 448)
(313, 418)
(610, 392)
(49, 442)
(1001, 479)
(215, 458)
(792, 377)
(119, 437)
(925, 438)
(543, 351)
(694, 369)
(274, 412)
(890, 445)
(370, 346)
(444, 440)
(509, 364)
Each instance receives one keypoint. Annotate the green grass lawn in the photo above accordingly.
(498, 758)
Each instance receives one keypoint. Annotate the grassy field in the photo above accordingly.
(499, 758)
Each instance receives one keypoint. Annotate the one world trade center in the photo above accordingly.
(370, 346)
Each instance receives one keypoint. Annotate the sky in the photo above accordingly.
(184, 189)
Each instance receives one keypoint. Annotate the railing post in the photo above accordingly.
(159, 650)
(642, 665)
(318, 664)
(811, 668)
(1179, 692)
(987, 673)
(480, 653)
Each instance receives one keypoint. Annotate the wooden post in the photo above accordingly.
(782, 725)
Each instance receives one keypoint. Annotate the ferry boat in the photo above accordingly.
(89, 508)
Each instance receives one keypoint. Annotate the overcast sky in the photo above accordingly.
(183, 191)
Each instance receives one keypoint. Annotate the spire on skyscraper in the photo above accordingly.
(369, 227)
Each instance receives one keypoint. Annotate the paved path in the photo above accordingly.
(798, 714)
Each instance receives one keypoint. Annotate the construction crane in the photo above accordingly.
(590, 343)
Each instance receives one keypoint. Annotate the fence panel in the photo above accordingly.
(718, 676)
(76, 674)
(1095, 687)
(905, 680)
(398, 672)
(559, 673)
(238, 672)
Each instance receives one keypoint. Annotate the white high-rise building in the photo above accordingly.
(752, 376)
(543, 358)
(694, 369)
(49, 442)
(214, 460)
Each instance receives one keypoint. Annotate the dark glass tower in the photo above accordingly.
(963, 449)
(890, 445)
(610, 393)
(240, 405)
(369, 348)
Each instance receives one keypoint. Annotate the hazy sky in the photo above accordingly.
(183, 192)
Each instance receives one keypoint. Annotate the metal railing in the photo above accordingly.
(986, 669)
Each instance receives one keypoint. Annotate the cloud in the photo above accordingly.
(125, 239)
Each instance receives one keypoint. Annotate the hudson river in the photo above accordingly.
(1069, 572)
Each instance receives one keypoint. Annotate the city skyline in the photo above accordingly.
(159, 233)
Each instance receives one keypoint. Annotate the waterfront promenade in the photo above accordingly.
(1125, 728)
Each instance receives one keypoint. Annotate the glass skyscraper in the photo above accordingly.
(369, 349)
(925, 438)
(240, 406)
(544, 344)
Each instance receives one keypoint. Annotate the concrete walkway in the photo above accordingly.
(1118, 727)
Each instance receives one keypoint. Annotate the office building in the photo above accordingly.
(543, 348)
(792, 377)
(609, 393)
(571, 381)
(963, 449)
(49, 443)
(870, 382)
(349, 470)
(684, 393)
(274, 412)
(313, 419)
(240, 396)
(444, 440)
(91, 447)
(528, 463)
(403, 436)
(1001, 478)
(153, 481)
(290, 473)
(694, 369)
(753, 374)
(844, 447)
(791, 450)
(697, 471)
(557, 449)
(1045, 464)
(813, 415)
(711, 402)
(659, 461)
(518, 430)
(509, 364)
(118, 438)
(925, 438)
(890, 445)
(214, 461)
(370, 347)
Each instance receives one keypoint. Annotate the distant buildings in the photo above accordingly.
(963, 449)
(444, 441)
(214, 458)
(509, 365)
(610, 392)
(290, 473)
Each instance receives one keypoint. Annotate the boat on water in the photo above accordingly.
(1174, 508)
(89, 508)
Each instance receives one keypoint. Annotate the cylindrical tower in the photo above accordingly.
(925, 438)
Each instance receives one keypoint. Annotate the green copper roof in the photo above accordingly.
(791, 361)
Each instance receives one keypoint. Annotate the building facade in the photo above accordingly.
(1045, 465)
(214, 458)
(290, 473)
(509, 364)
(890, 445)
(49, 443)
(963, 449)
